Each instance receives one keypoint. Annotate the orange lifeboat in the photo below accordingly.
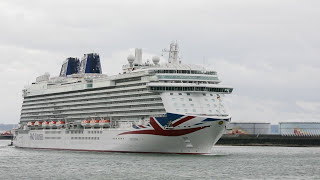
(85, 123)
(52, 124)
(61, 123)
(38, 123)
(104, 123)
(94, 123)
(30, 124)
(45, 123)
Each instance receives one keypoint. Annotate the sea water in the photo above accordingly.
(225, 162)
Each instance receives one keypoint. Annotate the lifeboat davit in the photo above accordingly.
(53, 124)
(104, 123)
(45, 123)
(61, 123)
(30, 124)
(94, 123)
(85, 123)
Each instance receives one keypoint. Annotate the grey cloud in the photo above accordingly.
(267, 50)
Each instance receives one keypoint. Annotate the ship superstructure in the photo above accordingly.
(177, 105)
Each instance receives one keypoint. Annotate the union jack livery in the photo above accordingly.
(166, 107)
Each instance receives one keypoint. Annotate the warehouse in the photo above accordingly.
(300, 128)
(248, 128)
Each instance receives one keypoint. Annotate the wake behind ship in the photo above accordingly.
(150, 107)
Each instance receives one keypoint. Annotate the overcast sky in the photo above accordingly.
(269, 51)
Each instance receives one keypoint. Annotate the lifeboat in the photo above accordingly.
(52, 124)
(38, 123)
(45, 123)
(104, 123)
(94, 123)
(85, 123)
(61, 123)
(30, 124)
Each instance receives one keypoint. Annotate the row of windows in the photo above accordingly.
(74, 131)
(166, 88)
(187, 77)
(88, 108)
(188, 94)
(52, 137)
(119, 93)
(94, 132)
(186, 72)
(135, 98)
(52, 132)
(97, 110)
(194, 110)
(85, 138)
(190, 99)
(105, 90)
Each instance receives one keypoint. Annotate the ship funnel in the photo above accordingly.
(138, 56)
(90, 63)
(70, 66)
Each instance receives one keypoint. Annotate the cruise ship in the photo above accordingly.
(150, 107)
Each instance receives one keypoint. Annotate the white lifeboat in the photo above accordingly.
(45, 123)
(104, 123)
(30, 124)
(37, 123)
(85, 123)
(94, 123)
(61, 123)
(52, 124)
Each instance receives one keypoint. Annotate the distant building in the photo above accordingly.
(274, 129)
(6, 127)
(248, 128)
(300, 128)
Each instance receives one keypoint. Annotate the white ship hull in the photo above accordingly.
(185, 139)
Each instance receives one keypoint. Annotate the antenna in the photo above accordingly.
(173, 53)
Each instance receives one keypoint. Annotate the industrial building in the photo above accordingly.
(300, 128)
(248, 128)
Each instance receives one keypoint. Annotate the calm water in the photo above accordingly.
(225, 162)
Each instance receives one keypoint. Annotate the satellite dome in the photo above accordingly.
(130, 58)
(156, 60)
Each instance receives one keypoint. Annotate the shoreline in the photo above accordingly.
(269, 140)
